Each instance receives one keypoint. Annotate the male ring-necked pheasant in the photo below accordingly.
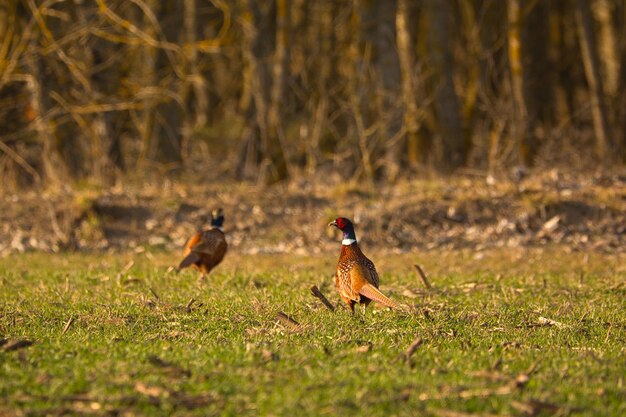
(206, 249)
(356, 278)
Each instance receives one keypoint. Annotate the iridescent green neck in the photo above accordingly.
(349, 237)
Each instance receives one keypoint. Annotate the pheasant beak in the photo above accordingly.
(333, 223)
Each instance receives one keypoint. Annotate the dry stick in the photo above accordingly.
(17, 344)
(441, 412)
(422, 275)
(531, 369)
(71, 64)
(14, 58)
(154, 293)
(412, 348)
(188, 306)
(288, 322)
(125, 270)
(67, 325)
(317, 293)
(20, 161)
(166, 46)
(470, 393)
(533, 408)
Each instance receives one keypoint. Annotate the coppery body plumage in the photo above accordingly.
(356, 278)
(206, 249)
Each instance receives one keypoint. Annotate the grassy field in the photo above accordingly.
(506, 332)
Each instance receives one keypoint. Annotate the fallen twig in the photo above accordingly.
(170, 368)
(544, 321)
(534, 407)
(411, 349)
(423, 276)
(154, 293)
(288, 322)
(522, 378)
(16, 344)
(125, 270)
(317, 293)
(67, 325)
(469, 393)
(453, 413)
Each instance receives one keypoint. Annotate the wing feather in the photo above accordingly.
(190, 259)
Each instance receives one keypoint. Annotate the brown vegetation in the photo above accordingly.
(100, 90)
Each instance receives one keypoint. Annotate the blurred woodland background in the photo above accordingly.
(269, 90)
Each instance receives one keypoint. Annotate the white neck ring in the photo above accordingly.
(348, 242)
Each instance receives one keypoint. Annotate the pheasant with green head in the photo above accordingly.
(206, 249)
(356, 278)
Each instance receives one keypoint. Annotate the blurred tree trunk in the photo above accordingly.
(54, 170)
(140, 74)
(416, 148)
(360, 58)
(483, 111)
(473, 65)
(591, 63)
(193, 88)
(603, 11)
(531, 75)
(375, 89)
(249, 154)
(65, 148)
(621, 99)
(526, 141)
(344, 138)
(275, 148)
(538, 74)
(380, 26)
(166, 118)
(562, 42)
(494, 75)
(20, 160)
(105, 148)
(321, 14)
(449, 122)
(262, 144)
(216, 92)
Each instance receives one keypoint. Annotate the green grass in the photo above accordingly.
(133, 348)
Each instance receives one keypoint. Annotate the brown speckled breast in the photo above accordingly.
(353, 271)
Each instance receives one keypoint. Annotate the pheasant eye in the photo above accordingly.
(341, 223)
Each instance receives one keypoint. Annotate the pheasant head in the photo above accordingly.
(346, 226)
(217, 219)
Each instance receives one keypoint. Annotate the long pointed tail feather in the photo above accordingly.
(373, 293)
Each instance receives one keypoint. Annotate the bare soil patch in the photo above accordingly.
(581, 212)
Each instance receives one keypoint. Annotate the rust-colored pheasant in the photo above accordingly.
(206, 249)
(356, 278)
